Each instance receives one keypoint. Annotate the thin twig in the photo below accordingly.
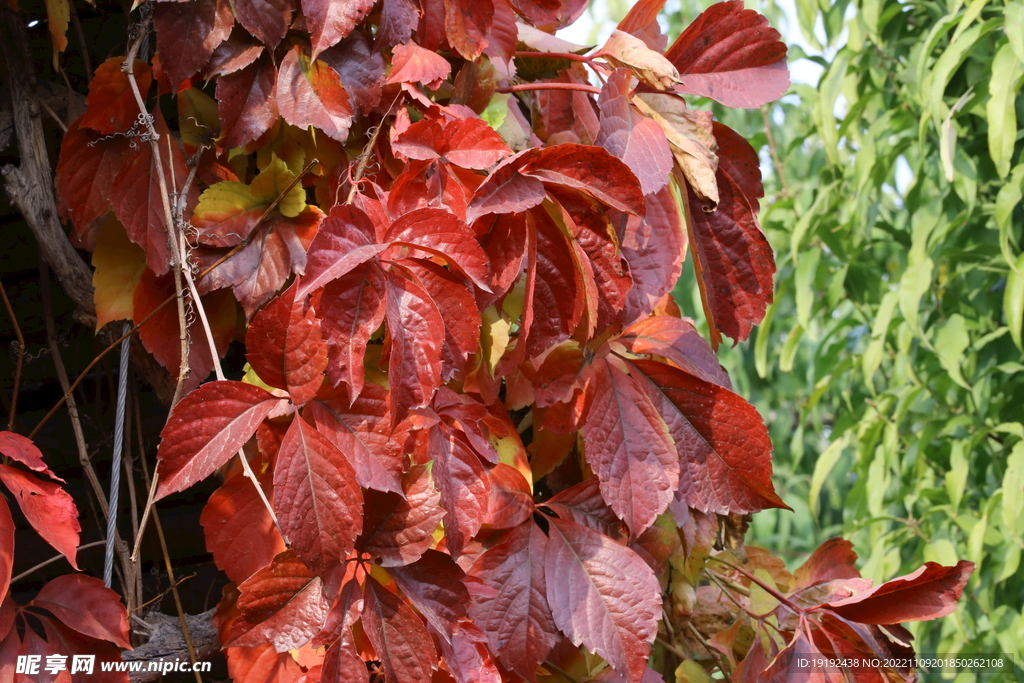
(21, 357)
(711, 651)
(53, 559)
(774, 592)
(773, 151)
(160, 596)
(525, 87)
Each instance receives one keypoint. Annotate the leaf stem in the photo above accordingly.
(554, 55)
(525, 87)
(768, 589)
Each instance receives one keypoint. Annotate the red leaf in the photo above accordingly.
(310, 94)
(397, 21)
(410, 63)
(732, 55)
(399, 530)
(467, 24)
(268, 20)
(416, 331)
(504, 241)
(317, 499)
(281, 604)
(188, 33)
(205, 429)
(636, 140)
(330, 22)
(399, 638)
(239, 530)
(6, 560)
(833, 559)
(511, 498)
(265, 264)
(629, 449)
(86, 170)
(285, 347)
(20, 448)
(48, 508)
(584, 505)
(433, 584)
(506, 190)
(246, 102)
(461, 315)
(462, 481)
(551, 15)
(111, 104)
(602, 595)
(516, 617)
(160, 336)
(345, 240)
(262, 664)
(342, 664)
(641, 15)
(591, 170)
(86, 605)
(63, 639)
(361, 69)
(440, 232)
(733, 259)
(654, 247)
(676, 340)
(928, 593)
(467, 656)
(138, 202)
(467, 142)
(237, 52)
(724, 448)
(362, 432)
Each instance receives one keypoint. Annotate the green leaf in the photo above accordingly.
(1013, 487)
(950, 61)
(1013, 301)
(806, 269)
(828, 93)
(1014, 27)
(950, 343)
(872, 358)
(822, 468)
(1003, 88)
(956, 476)
(789, 349)
(915, 282)
(1007, 199)
(761, 343)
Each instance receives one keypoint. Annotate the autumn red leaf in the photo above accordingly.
(240, 533)
(416, 334)
(86, 605)
(467, 24)
(330, 22)
(584, 504)
(400, 529)
(737, 291)
(188, 33)
(511, 498)
(311, 94)
(613, 602)
(414, 64)
(635, 139)
(262, 663)
(346, 239)
(590, 170)
(732, 55)
(205, 429)
(21, 449)
(461, 479)
(6, 556)
(360, 67)
(318, 501)
(268, 20)
(111, 104)
(246, 101)
(434, 585)
(833, 559)
(48, 508)
(286, 348)
(398, 636)
(724, 450)
(676, 340)
(281, 604)
(516, 617)
(928, 593)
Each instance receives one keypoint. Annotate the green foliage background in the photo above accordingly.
(890, 367)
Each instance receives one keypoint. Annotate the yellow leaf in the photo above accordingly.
(197, 118)
(691, 672)
(119, 264)
(624, 50)
(269, 184)
(690, 136)
(58, 14)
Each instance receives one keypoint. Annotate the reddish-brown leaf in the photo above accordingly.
(676, 340)
(329, 22)
(205, 429)
(345, 240)
(262, 664)
(268, 20)
(48, 508)
(629, 448)
(318, 501)
(636, 140)
(20, 448)
(86, 605)
(550, 15)
(928, 593)
(86, 170)
(515, 615)
(724, 448)
(399, 530)
(433, 584)
(398, 636)
(237, 52)
(411, 63)
(467, 656)
(342, 664)
(467, 142)
(62, 639)
(462, 481)
(6, 561)
(640, 15)
(441, 233)
(111, 105)
(285, 348)
(137, 200)
(246, 102)
(731, 55)
(416, 333)
(557, 296)
(602, 595)
(276, 251)
(467, 23)
(187, 33)
(511, 499)
(833, 559)
(281, 604)
(311, 94)
(731, 254)
(584, 505)
(361, 69)
(591, 170)
(239, 530)
(352, 309)
(506, 190)
(397, 21)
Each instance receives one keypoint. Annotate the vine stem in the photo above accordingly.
(525, 87)
(554, 55)
(21, 357)
(53, 559)
(768, 589)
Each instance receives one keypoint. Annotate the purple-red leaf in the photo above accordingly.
(676, 340)
(399, 530)
(246, 102)
(311, 94)
(416, 331)
(591, 170)
(602, 595)
(345, 240)
(205, 429)
(511, 498)
(188, 33)
(268, 20)
(433, 584)
(317, 498)
(462, 481)
(329, 20)
(397, 635)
